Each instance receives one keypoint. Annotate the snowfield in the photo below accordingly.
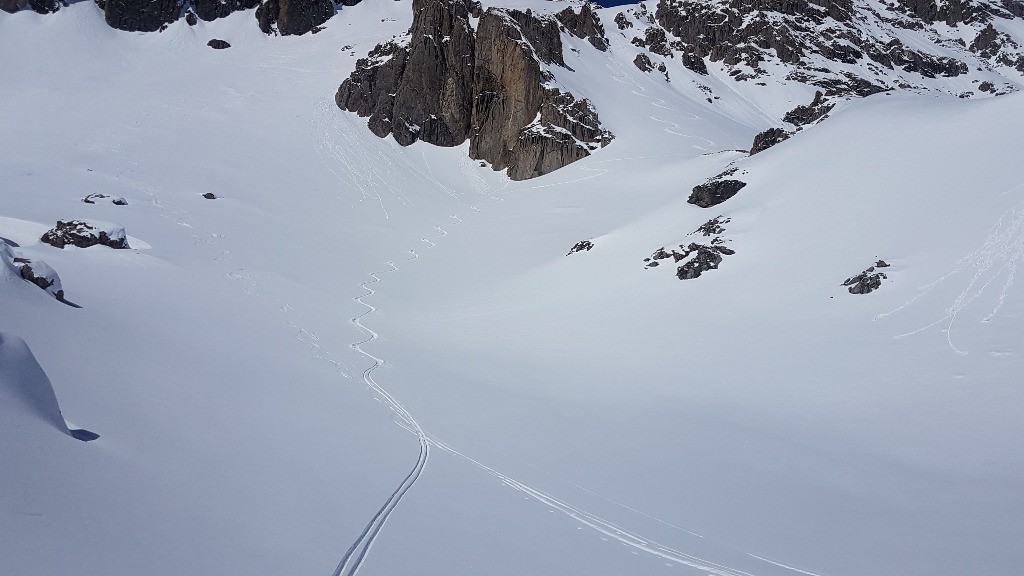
(374, 359)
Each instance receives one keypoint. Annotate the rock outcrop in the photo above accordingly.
(42, 275)
(84, 234)
(40, 6)
(810, 113)
(767, 139)
(273, 16)
(697, 257)
(445, 83)
(716, 190)
(35, 272)
(12, 6)
(140, 15)
(585, 24)
(293, 17)
(581, 246)
(841, 47)
(422, 89)
(210, 10)
(867, 281)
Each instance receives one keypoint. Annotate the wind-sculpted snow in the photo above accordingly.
(27, 395)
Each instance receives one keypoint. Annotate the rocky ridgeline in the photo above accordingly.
(840, 48)
(273, 16)
(444, 83)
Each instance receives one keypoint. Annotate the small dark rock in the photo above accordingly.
(91, 198)
(622, 22)
(210, 196)
(218, 44)
(581, 246)
(191, 19)
(864, 282)
(643, 62)
(881, 264)
(119, 202)
(712, 227)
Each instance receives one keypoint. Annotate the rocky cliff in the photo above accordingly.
(842, 47)
(293, 17)
(273, 16)
(446, 82)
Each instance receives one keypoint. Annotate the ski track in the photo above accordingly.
(360, 548)
(998, 257)
(330, 150)
(670, 127)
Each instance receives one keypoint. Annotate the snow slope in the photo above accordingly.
(362, 347)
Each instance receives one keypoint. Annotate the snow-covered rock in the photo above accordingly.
(86, 233)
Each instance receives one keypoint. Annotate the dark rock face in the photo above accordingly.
(704, 258)
(293, 17)
(586, 25)
(46, 6)
(622, 22)
(449, 84)
(581, 246)
(153, 15)
(643, 62)
(140, 15)
(767, 139)
(83, 235)
(212, 9)
(810, 113)
(218, 44)
(423, 91)
(804, 36)
(12, 6)
(715, 191)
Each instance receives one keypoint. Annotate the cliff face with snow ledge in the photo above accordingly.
(446, 81)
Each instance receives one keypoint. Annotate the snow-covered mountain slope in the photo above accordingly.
(362, 357)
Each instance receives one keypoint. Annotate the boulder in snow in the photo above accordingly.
(84, 234)
(716, 190)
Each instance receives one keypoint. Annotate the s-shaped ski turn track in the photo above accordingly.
(356, 553)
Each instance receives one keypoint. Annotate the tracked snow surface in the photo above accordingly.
(366, 358)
